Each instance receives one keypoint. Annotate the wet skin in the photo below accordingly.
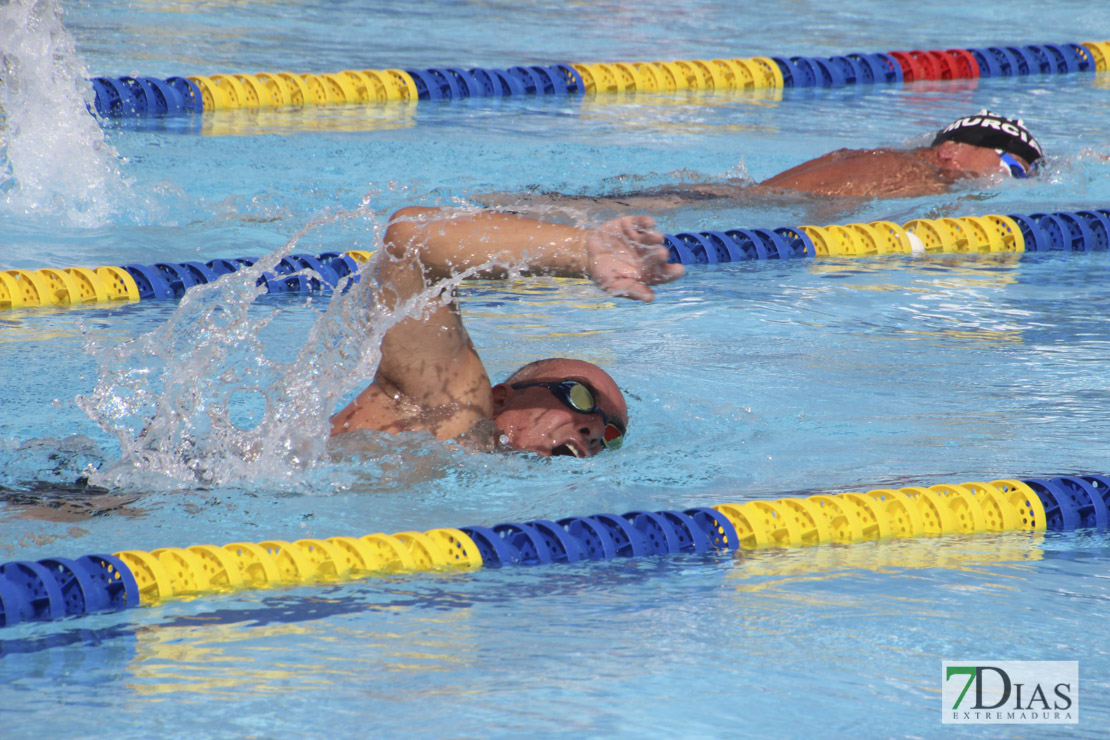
(860, 173)
(431, 378)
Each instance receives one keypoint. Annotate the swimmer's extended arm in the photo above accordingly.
(429, 375)
(624, 256)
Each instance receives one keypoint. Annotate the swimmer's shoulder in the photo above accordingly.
(382, 407)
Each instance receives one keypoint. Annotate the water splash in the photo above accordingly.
(54, 158)
(228, 390)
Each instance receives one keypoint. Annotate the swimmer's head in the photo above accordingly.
(1003, 143)
(560, 407)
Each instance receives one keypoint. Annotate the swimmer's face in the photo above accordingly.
(970, 160)
(534, 417)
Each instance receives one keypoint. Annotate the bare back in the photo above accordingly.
(859, 173)
(872, 173)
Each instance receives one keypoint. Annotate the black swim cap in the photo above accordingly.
(993, 132)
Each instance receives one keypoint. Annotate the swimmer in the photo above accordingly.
(971, 147)
(430, 378)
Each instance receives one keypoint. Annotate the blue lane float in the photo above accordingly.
(166, 281)
(54, 588)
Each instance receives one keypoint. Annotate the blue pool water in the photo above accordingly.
(744, 381)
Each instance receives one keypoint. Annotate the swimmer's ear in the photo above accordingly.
(501, 395)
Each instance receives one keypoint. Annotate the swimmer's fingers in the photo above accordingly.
(639, 292)
(640, 230)
(629, 288)
(631, 277)
(637, 287)
(625, 257)
(633, 231)
(661, 270)
(669, 273)
(651, 267)
(621, 277)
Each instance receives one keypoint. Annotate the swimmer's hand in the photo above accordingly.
(625, 256)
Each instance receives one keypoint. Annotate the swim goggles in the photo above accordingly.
(578, 396)
(1011, 166)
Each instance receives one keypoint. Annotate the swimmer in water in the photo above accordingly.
(971, 147)
(430, 378)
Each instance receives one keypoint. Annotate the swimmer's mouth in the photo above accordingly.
(566, 449)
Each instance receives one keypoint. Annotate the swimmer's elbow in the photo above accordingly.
(407, 229)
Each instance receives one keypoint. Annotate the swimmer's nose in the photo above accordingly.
(595, 442)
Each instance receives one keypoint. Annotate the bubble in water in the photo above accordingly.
(54, 158)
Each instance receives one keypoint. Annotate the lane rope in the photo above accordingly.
(53, 588)
(131, 97)
(1078, 231)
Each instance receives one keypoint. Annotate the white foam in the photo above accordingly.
(54, 158)
(229, 392)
